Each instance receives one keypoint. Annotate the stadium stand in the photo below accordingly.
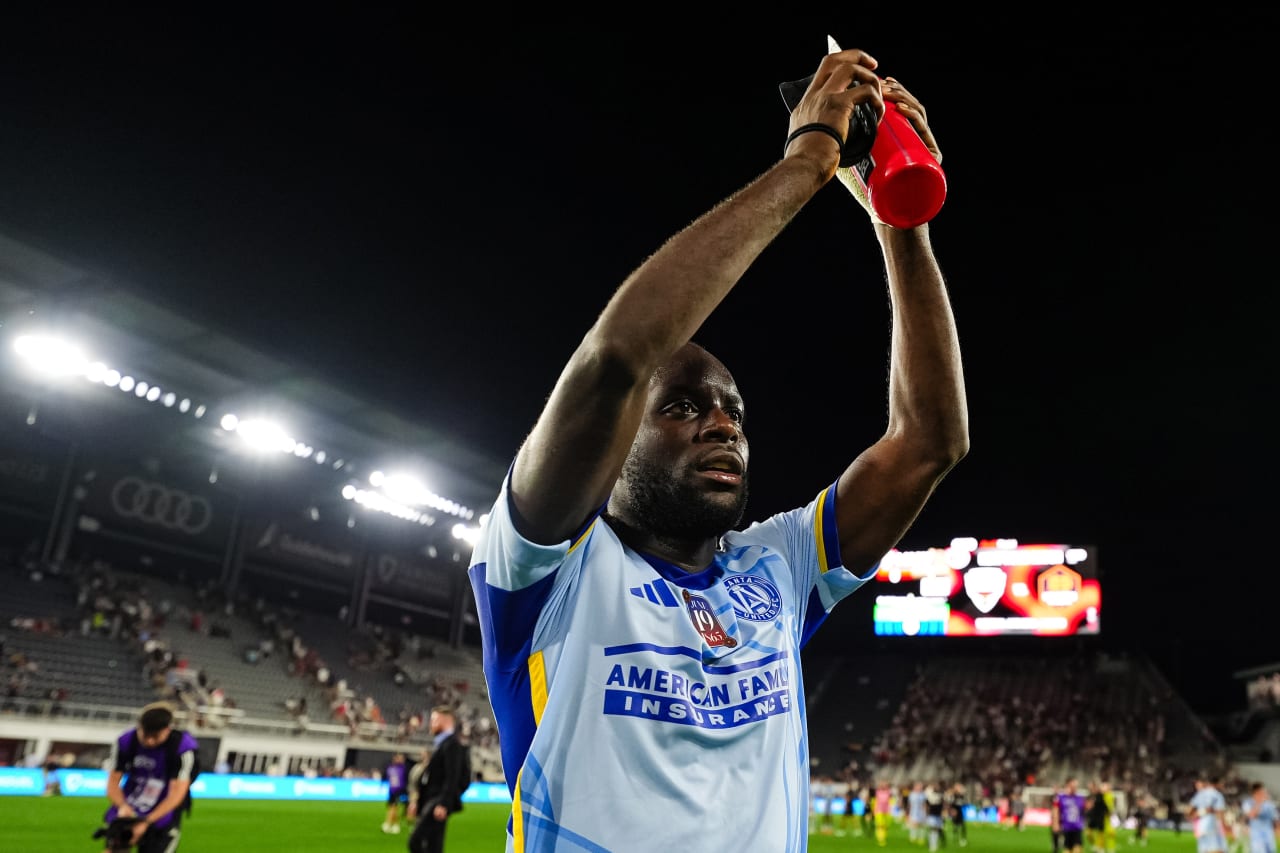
(55, 651)
(138, 521)
(998, 723)
(851, 700)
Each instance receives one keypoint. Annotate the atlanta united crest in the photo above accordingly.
(754, 598)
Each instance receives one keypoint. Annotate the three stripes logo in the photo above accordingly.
(659, 592)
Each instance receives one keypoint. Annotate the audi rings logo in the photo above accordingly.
(158, 505)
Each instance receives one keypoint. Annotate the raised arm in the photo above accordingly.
(882, 492)
(567, 465)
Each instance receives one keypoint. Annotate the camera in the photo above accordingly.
(118, 834)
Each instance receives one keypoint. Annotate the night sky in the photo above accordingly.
(431, 211)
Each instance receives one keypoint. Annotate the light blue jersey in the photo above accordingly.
(915, 806)
(640, 707)
(1262, 826)
(1208, 804)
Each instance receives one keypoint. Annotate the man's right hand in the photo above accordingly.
(843, 80)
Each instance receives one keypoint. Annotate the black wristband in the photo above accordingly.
(809, 128)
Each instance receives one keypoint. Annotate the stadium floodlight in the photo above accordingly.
(265, 435)
(410, 491)
(185, 405)
(51, 356)
(229, 422)
(469, 533)
(380, 503)
(56, 357)
(466, 533)
(405, 489)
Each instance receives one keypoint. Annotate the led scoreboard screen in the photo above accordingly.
(988, 588)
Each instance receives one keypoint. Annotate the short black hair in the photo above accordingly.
(155, 718)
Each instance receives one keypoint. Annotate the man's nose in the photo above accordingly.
(720, 427)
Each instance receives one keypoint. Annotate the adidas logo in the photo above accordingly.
(659, 592)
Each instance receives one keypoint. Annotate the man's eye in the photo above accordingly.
(736, 415)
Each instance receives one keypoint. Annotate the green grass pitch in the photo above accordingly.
(65, 824)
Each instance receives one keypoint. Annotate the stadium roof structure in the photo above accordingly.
(187, 358)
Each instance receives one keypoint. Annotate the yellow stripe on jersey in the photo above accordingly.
(537, 686)
(818, 516)
(582, 538)
(538, 698)
(517, 821)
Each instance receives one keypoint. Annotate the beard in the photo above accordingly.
(671, 507)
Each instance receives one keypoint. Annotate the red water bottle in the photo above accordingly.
(905, 185)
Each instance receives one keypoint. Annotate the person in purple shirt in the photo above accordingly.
(150, 775)
(397, 776)
(1068, 816)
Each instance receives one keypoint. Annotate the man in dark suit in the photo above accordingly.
(437, 792)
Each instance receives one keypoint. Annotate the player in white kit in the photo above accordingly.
(641, 652)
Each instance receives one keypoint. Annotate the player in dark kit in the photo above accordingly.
(959, 801)
(397, 775)
(1068, 817)
(935, 806)
(152, 768)
(1096, 817)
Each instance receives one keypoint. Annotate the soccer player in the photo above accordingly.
(1142, 810)
(959, 801)
(849, 819)
(397, 776)
(641, 647)
(1207, 809)
(866, 794)
(935, 805)
(1260, 811)
(915, 814)
(1108, 828)
(1068, 816)
(1055, 829)
(884, 811)
(1017, 808)
(1095, 817)
(149, 779)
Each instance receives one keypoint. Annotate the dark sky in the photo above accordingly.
(374, 192)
